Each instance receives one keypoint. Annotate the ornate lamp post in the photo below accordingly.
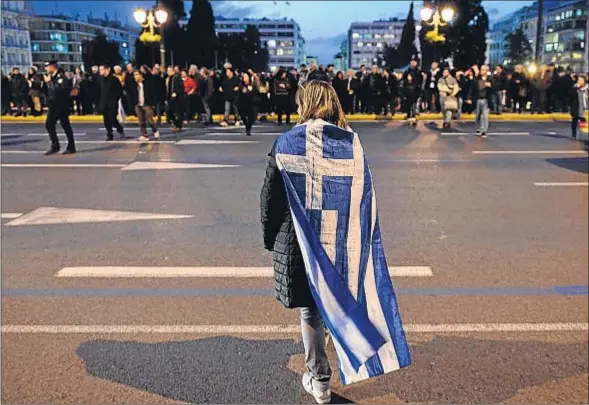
(437, 19)
(152, 19)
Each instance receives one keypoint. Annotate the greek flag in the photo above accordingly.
(333, 205)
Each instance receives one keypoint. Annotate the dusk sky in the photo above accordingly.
(324, 23)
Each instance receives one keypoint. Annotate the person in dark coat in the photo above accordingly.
(6, 94)
(410, 91)
(159, 86)
(143, 99)
(431, 94)
(58, 103)
(339, 84)
(248, 91)
(281, 96)
(376, 89)
(579, 102)
(540, 84)
(96, 85)
(230, 90)
(499, 86)
(519, 85)
(390, 91)
(20, 91)
(35, 91)
(86, 94)
(416, 79)
(110, 94)
(352, 85)
(206, 88)
(175, 96)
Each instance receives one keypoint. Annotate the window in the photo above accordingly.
(549, 47)
(360, 44)
(355, 35)
(279, 52)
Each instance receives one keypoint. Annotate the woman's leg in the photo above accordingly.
(313, 330)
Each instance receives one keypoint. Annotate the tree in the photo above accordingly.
(256, 57)
(517, 47)
(174, 38)
(200, 34)
(100, 51)
(231, 49)
(406, 49)
(146, 53)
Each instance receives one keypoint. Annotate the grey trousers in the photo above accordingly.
(482, 115)
(313, 330)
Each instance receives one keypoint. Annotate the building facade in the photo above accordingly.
(565, 35)
(60, 38)
(16, 41)
(367, 40)
(282, 38)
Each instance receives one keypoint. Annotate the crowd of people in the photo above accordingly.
(193, 94)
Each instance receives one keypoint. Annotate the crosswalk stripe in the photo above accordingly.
(11, 215)
(40, 134)
(64, 165)
(490, 133)
(291, 329)
(529, 152)
(212, 142)
(201, 272)
(562, 184)
(242, 134)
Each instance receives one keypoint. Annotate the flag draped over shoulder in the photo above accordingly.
(333, 205)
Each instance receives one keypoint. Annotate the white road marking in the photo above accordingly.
(211, 142)
(289, 329)
(212, 272)
(562, 184)
(529, 152)
(241, 127)
(11, 215)
(42, 134)
(53, 215)
(125, 142)
(489, 133)
(243, 134)
(22, 152)
(64, 165)
(173, 166)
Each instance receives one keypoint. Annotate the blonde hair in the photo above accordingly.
(318, 100)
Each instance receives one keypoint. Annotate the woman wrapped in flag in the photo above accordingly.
(320, 220)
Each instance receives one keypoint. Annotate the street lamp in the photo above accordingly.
(438, 19)
(152, 19)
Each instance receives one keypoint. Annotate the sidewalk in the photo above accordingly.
(355, 117)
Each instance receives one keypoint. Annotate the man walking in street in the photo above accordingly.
(110, 94)
(480, 94)
(58, 101)
(145, 104)
(175, 96)
(230, 90)
(206, 87)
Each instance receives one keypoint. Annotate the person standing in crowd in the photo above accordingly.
(230, 90)
(363, 90)
(6, 94)
(96, 80)
(86, 94)
(175, 96)
(247, 96)
(551, 91)
(317, 74)
(331, 73)
(432, 97)
(391, 85)
(466, 82)
(480, 95)
(339, 84)
(206, 87)
(416, 81)
(540, 82)
(448, 90)
(374, 91)
(144, 104)
(303, 75)
(128, 87)
(520, 89)
(410, 90)
(351, 91)
(75, 95)
(159, 88)
(35, 91)
(264, 95)
(110, 94)
(20, 91)
(58, 103)
(499, 86)
(579, 102)
(190, 103)
(280, 96)
(121, 109)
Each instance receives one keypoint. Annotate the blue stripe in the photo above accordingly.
(388, 300)
(337, 143)
(293, 142)
(374, 366)
(336, 196)
(366, 231)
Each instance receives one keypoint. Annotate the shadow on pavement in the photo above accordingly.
(210, 370)
(13, 141)
(577, 164)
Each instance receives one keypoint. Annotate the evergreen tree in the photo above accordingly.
(174, 37)
(200, 34)
(100, 51)
(517, 47)
(406, 48)
(144, 53)
(256, 57)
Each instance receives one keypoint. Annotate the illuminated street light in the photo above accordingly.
(426, 13)
(152, 19)
(447, 14)
(437, 20)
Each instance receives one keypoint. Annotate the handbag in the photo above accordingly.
(451, 103)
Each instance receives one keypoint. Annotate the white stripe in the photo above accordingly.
(529, 152)
(492, 133)
(563, 184)
(205, 272)
(23, 152)
(354, 236)
(212, 142)
(63, 165)
(11, 215)
(42, 134)
(125, 142)
(243, 134)
(294, 329)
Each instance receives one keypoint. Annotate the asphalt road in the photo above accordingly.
(502, 224)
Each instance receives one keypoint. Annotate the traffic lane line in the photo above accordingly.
(208, 272)
(64, 165)
(490, 133)
(529, 152)
(266, 292)
(288, 329)
(562, 184)
(41, 134)
(11, 215)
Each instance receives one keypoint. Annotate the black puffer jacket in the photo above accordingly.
(292, 286)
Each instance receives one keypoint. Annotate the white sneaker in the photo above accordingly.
(224, 124)
(319, 390)
(143, 139)
(236, 123)
(156, 134)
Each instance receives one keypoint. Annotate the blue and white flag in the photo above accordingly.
(333, 205)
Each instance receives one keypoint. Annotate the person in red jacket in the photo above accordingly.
(191, 93)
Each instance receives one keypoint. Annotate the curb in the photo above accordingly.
(352, 118)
